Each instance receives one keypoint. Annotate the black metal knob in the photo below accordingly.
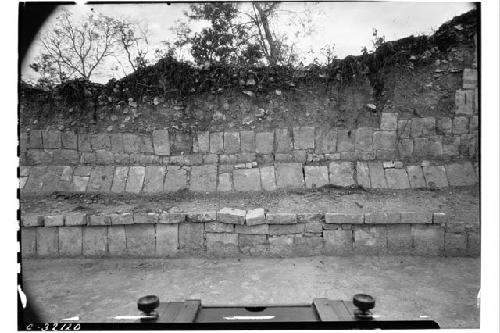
(364, 303)
(148, 304)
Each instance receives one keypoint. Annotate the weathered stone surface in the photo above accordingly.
(47, 242)
(428, 239)
(75, 219)
(415, 176)
(363, 174)
(434, 147)
(253, 244)
(469, 78)
(303, 137)
(35, 139)
(405, 148)
(201, 143)
(145, 218)
(397, 178)
(80, 183)
(316, 176)
(255, 216)
(231, 215)
(444, 126)
(281, 218)
(473, 124)
(326, 140)
(231, 142)
(135, 179)
(51, 139)
(455, 244)
(172, 217)
(460, 125)
(261, 229)
(282, 141)
(153, 181)
(416, 217)
(38, 156)
(116, 142)
(289, 175)
(313, 227)
(119, 179)
(247, 143)
(345, 140)
(94, 241)
(99, 220)
(167, 239)
(69, 140)
(28, 242)
(180, 143)
(281, 246)
(161, 142)
(70, 241)
(341, 173)
(121, 218)
(435, 176)
(246, 180)
(267, 178)
(339, 218)
(140, 240)
(337, 242)
(364, 139)
(473, 244)
(225, 182)
(461, 174)
(370, 240)
(222, 244)
(146, 144)
(439, 218)
(132, 142)
(423, 127)
(100, 179)
(218, 227)
(216, 142)
(399, 239)
(32, 220)
(264, 142)
(286, 229)
(404, 127)
(451, 146)
(468, 145)
(204, 216)
(117, 240)
(104, 157)
(388, 121)
(384, 140)
(203, 178)
(100, 141)
(54, 220)
(382, 218)
(175, 179)
(308, 245)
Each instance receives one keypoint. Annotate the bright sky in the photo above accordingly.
(348, 25)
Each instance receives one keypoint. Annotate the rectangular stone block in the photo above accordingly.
(119, 179)
(444, 126)
(404, 127)
(308, 246)
(231, 215)
(289, 175)
(255, 216)
(203, 178)
(247, 141)
(439, 218)
(80, 183)
(313, 227)
(70, 241)
(69, 140)
(416, 217)
(117, 240)
(201, 144)
(267, 178)
(51, 139)
(461, 174)
(99, 220)
(28, 242)
(167, 239)
(343, 218)
(101, 178)
(35, 139)
(161, 142)
(132, 142)
(172, 217)
(121, 218)
(203, 216)
(337, 242)
(415, 176)
(218, 227)
(248, 241)
(303, 137)
(94, 241)
(145, 218)
(47, 241)
(231, 142)
(469, 78)
(399, 239)
(397, 178)
(363, 174)
(221, 244)
(141, 239)
(428, 239)
(345, 140)
(342, 173)
(225, 183)
(282, 141)
(261, 229)
(286, 229)
(38, 156)
(54, 220)
(281, 246)
(216, 142)
(316, 176)
(281, 218)
(176, 178)
(388, 121)
(370, 240)
(153, 181)
(435, 176)
(116, 142)
(405, 148)
(75, 219)
(384, 140)
(423, 127)
(180, 143)
(474, 244)
(32, 220)
(364, 139)
(460, 125)
(455, 244)
(326, 140)
(100, 141)
(382, 218)
(264, 142)
(246, 180)
(135, 179)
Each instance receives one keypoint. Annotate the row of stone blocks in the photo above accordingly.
(367, 141)
(220, 239)
(210, 178)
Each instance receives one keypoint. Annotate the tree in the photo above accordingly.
(133, 38)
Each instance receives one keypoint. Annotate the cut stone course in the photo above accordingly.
(117, 240)
(225, 182)
(382, 218)
(172, 217)
(341, 173)
(222, 243)
(289, 175)
(264, 142)
(35, 139)
(231, 142)
(205, 216)
(363, 174)
(428, 239)
(345, 140)
(460, 174)
(70, 241)
(247, 141)
(255, 216)
(303, 137)
(203, 178)
(119, 219)
(100, 141)
(460, 125)
(51, 139)
(54, 220)
(101, 178)
(286, 229)
(140, 240)
(47, 241)
(281, 218)
(415, 176)
(218, 227)
(260, 229)
(231, 215)
(246, 180)
(384, 140)
(201, 144)
(267, 178)
(326, 140)
(153, 181)
(119, 179)
(175, 178)
(338, 218)
(216, 142)
(166, 239)
(399, 239)
(75, 219)
(94, 241)
(316, 176)
(191, 236)
(415, 217)
(389, 121)
(282, 141)
(370, 240)
(397, 178)
(364, 139)
(435, 176)
(337, 242)
(135, 179)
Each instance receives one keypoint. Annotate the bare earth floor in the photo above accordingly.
(96, 290)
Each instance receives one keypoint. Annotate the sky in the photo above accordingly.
(348, 25)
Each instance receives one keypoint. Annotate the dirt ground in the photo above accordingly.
(444, 289)
(462, 204)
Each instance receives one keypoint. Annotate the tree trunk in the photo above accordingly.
(273, 54)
